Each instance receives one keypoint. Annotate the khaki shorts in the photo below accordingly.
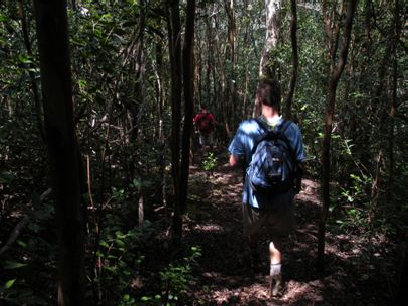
(276, 221)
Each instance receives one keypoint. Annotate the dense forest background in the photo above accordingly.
(111, 98)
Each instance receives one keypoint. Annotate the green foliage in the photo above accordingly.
(176, 278)
(210, 162)
(119, 261)
(33, 249)
(357, 191)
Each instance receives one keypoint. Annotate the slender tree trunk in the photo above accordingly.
(139, 83)
(175, 66)
(267, 65)
(267, 68)
(34, 86)
(393, 104)
(230, 56)
(137, 67)
(51, 20)
(188, 101)
(160, 111)
(293, 39)
(210, 59)
(335, 74)
(198, 71)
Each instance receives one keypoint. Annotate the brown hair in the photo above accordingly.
(269, 93)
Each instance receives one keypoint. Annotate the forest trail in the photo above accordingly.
(223, 277)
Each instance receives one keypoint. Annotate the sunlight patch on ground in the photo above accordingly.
(304, 291)
(240, 294)
(209, 228)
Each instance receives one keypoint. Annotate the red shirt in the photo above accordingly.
(205, 122)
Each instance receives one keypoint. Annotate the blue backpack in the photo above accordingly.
(273, 164)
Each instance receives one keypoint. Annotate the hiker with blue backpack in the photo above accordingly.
(271, 151)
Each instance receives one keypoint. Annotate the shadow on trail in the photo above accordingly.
(223, 276)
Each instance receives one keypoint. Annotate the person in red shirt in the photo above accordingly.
(204, 122)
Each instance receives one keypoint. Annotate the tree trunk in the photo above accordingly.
(175, 66)
(210, 59)
(160, 110)
(188, 101)
(267, 67)
(230, 56)
(37, 103)
(134, 108)
(52, 35)
(335, 74)
(393, 105)
(293, 39)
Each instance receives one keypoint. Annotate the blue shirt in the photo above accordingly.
(241, 146)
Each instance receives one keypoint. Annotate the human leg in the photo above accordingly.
(251, 220)
(275, 274)
(201, 139)
(211, 140)
(281, 224)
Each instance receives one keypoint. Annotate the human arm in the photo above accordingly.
(237, 149)
(195, 122)
(298, 177)
(300, 157)
(233, 160)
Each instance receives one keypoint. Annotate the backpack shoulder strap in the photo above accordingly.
(282, 129)
(266, 129)
(284, 126)
(262, 124)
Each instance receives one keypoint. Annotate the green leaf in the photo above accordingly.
(3, 18)
(103, 244)
(106, 17)
(10, 265)
(25, 59)
(145, 299)
(21, 243)
(120, 243)
(120, 235)
(9, 284)
(111, 269)
(137, 183)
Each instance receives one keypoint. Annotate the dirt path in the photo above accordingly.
(224, 278)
